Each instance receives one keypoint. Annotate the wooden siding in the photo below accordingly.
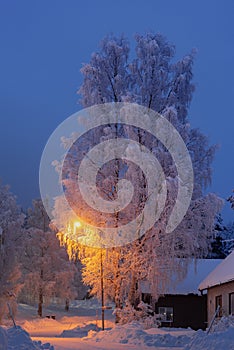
(224, 290)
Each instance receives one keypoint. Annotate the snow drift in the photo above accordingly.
(16, 338)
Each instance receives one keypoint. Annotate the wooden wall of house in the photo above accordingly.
(223, 290)
(188, 310)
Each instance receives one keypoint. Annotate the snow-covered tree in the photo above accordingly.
(11, 221)
(231, 200)
(37, 216)
(222, 240)
(47, 271)
(152, 79)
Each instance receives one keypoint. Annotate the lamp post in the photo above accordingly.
(102, 292)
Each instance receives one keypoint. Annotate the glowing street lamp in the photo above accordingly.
(76, 225)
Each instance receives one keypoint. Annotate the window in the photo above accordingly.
(167, 313)
(218, 302)
(231, 304)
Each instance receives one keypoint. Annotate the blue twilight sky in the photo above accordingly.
(44, 43)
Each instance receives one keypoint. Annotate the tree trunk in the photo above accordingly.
(40, 302)
(118, 306)
(67, 305)
(133, 295)
(118, 301)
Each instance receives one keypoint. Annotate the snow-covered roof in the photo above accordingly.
(197, 271)
(223, 273)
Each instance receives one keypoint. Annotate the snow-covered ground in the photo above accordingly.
(80, 329)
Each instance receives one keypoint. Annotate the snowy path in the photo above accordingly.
(78, 330)
(78, 344)
(49, 331)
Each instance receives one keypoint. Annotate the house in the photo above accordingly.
(219, 285)
(182, 305)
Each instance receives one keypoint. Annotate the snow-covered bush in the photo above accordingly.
(143, 314)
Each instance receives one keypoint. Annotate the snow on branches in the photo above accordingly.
(11, 221)
(153, 79)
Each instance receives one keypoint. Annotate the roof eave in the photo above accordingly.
(216, 284)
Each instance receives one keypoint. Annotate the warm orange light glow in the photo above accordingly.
(77, 224)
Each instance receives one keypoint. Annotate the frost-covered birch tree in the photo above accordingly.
(155, 80)
(47, 271)
(11, 221)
